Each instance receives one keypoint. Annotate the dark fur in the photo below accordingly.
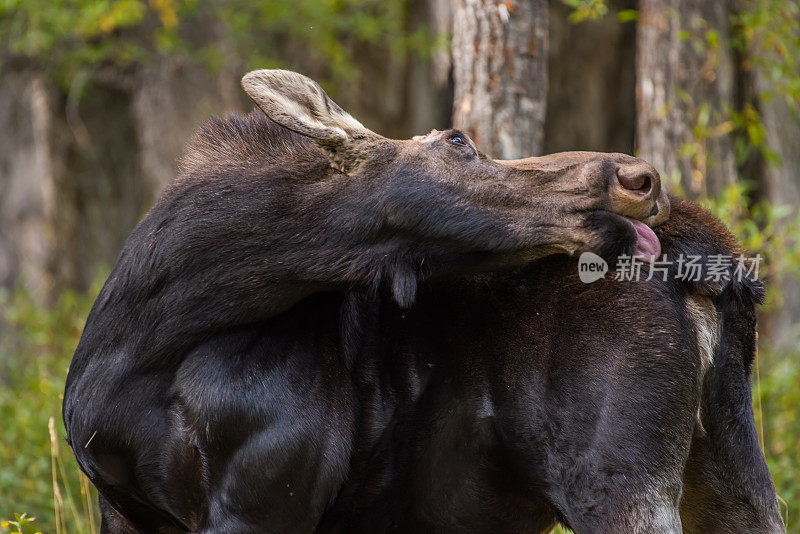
(208, 394)
(518, 400)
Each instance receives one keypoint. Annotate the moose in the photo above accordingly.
(320, 329)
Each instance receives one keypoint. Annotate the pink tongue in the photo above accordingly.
(648, 247)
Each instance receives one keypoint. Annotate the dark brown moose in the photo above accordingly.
(509, 401)
(222, 382)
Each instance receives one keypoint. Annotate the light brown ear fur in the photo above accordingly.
(300, 104)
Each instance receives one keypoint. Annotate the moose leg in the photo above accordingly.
(613, 504)
(111, 522)
(727, 485)
(616, 436)
(723, 496)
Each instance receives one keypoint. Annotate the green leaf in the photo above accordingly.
(628, 15)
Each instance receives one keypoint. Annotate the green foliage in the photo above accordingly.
(331, 31)
(583, 10)
(35, 351)
(778, 397)
(762, 228)
(628, 15)
(769, 32)
(67, 39)
(586, 9)
(20, 523)
(766, 33)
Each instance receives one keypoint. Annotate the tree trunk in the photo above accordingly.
(170, 98)
(781, 186)
(27, 190)
(500, 74)
(99, 185)
(684, 91)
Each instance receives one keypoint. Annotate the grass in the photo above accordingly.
(39, 476)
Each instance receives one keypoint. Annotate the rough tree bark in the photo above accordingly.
(78, 173)
(686, 86)
(685, 81)
(781, 186)
(27, 188)
(500, 74)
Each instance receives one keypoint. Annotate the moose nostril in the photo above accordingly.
(635, 180)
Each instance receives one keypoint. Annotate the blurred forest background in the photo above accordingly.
(97, 98)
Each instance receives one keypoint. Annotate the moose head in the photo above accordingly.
(441, 189)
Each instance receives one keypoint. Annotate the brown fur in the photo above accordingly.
(213, 388)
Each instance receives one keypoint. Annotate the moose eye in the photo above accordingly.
(457, 139)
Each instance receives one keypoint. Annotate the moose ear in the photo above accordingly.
(300, 104)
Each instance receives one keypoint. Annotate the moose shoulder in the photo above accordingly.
(271, 210)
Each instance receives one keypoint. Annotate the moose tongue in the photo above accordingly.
(648, 247)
